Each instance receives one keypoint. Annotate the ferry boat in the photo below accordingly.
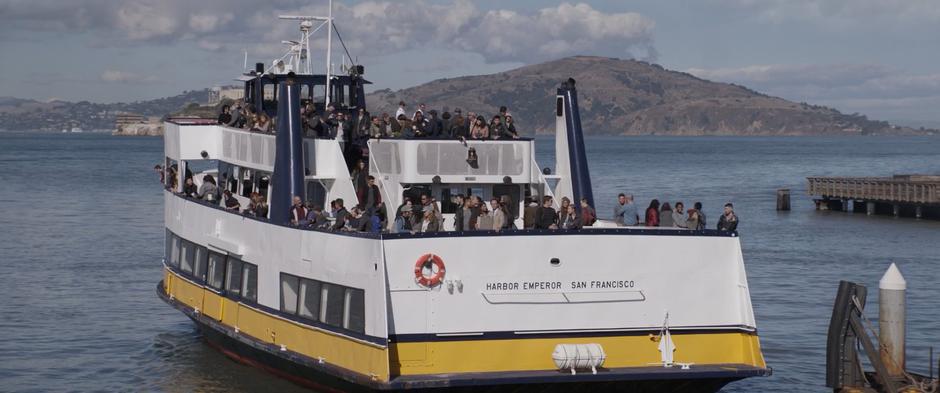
(598, 308)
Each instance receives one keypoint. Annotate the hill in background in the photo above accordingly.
(617, 97)
(629, 97)
(20, 114)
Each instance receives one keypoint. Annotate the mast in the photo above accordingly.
(329, 51)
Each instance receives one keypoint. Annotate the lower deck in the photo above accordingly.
(313, 356)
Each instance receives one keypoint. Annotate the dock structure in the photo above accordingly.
(900, 195)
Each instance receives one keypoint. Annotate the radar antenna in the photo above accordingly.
(299, 51)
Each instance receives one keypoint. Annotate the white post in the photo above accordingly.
(329, 52)
(891, 319)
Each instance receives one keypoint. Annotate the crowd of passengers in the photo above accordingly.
(470, 213)
(335, 123)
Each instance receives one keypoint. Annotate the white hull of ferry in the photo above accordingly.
(502, 308)
(540, 310)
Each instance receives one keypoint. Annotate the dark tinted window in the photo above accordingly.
(216, 275)
(250, 282)
(310, 299)
(334, 304)
(187, 256)
(202, 263)
(355, 310)
(233, 276)
(289, 293)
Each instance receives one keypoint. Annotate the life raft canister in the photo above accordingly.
(429, 260)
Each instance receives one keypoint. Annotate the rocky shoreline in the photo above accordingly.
(142, 129)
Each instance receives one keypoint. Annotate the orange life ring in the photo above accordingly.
(436, 277)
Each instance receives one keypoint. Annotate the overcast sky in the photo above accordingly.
(879, 58)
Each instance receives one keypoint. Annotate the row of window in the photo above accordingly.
(314, 300)
(319, 301)
(222, 272)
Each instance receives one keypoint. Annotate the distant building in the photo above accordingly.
(219, 93)
(123, 119)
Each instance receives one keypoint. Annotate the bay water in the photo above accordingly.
(82, 225)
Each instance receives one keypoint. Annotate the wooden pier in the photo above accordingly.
(901, 195)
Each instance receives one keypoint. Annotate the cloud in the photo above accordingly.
(369, 28)
(114, 76)
(836, 13)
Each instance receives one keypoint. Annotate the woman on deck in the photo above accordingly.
(652, 214)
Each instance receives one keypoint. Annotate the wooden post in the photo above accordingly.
(783, 199)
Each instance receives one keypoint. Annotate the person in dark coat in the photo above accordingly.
(545, 216)
(189, 189)
(569, 219)
(588, 215)
(340, 213)
(458, 212)
(371, 197)
(729, 220)
(225, 117)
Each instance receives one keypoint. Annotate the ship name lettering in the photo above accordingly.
(612, 284)
(502, 286)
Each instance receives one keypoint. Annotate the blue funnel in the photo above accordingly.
(288, 178)
(577, 159)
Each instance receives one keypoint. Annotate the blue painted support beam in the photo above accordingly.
(577, 158)
(288, 178)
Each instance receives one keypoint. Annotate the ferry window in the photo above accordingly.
(319, 94)
(310, 299)
(232, 183)
(264, 180)
(247, 182)
(216, 274)
(478, 191)
(187, 257)
(289, 285)
(316, 193)
(270, 97)
(355, 315)
(202, 256)
(227, 177)
(233, 276)
(171, 254)
(448, 199)
(512, 190)
(333, 304)
(250, 282)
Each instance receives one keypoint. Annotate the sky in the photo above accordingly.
(878, 58)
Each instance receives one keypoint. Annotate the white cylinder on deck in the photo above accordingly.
(578, 356)
(891, 319)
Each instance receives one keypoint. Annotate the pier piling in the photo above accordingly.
(783, 199)
(891, 319)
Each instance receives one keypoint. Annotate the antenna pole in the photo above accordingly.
(329, 51)
(245, 66)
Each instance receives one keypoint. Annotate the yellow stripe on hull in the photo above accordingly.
(353, 355)
(445, 357)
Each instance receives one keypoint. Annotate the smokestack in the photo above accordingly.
(288, 179)
(570, 157)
